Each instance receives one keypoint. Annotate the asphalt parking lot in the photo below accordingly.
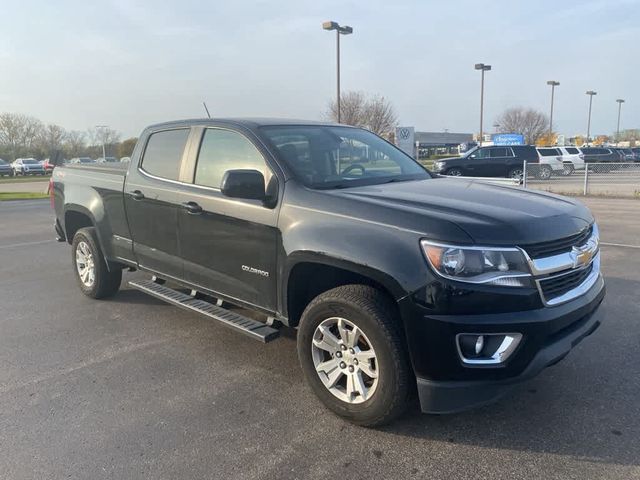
(133, 388)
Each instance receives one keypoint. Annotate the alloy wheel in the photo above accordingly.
(345, 360)
(85, 264)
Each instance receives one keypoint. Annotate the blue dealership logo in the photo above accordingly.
(507, 139)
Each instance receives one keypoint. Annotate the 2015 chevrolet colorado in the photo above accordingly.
(394, 277)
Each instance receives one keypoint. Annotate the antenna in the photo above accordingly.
(206, 109)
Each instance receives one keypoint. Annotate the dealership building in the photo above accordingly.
(441, 143)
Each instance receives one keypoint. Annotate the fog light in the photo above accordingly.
(486, 349)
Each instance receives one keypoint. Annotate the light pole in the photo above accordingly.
(104, 155)
(553, 84)
(340, 30)
(483, 68)
(591, 93)
(620, 102)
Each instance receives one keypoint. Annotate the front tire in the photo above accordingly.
(94, 279)
(353, 354)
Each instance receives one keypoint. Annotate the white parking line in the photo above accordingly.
(619, 245)
(25, 244)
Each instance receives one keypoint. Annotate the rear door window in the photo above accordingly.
(572, 151)
(548, 152)
(498, 152)
(163, 153)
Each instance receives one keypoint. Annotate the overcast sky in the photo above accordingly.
(129, 63)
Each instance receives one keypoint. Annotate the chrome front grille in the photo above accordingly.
(554, 247)
(568, 273)
(558, 285)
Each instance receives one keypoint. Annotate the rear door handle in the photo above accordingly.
(137, 195)
(192, 208)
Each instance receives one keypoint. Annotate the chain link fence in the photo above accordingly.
(606, 179)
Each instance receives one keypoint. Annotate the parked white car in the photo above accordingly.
(27, 166)
(572, 159)
(550, 162)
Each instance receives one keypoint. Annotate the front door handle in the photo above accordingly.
(192, 207)
(137, 195)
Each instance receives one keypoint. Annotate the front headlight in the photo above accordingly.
(438, 166)
(505, 267)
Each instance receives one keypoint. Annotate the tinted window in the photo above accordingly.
(223, 150)
(163, 153)
(572, 151)
(30, 161)
(548, 152)
(339, 157)
(2, 162)
(482, 153)
(498, 152)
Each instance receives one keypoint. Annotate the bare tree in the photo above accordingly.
(381, 117)
(526, 121)
(51, 139)
(18, 134)
(75, 144)
(99, 136)
(125, 148)
(352, 106)
(374, 113)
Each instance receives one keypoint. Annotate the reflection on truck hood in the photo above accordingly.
(490, 214)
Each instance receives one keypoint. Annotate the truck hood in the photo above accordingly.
(490, 214)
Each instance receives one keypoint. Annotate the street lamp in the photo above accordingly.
(104, 156)
(340, 30)
(620, 102)
(553, 84)
(483, 68)
(591, 93)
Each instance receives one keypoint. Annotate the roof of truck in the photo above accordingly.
(249, 122)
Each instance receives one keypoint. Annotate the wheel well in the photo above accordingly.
(308, 280)
(74, 221)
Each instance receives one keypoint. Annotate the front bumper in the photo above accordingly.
(446, 385)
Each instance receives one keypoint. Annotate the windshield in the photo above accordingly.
(30, 162)
(2, 162)
(339, 157)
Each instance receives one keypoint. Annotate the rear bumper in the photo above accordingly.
(549, 334)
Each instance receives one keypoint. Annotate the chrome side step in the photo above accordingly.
(248, 326)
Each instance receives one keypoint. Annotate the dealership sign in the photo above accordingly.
(406, 139)
(507, 139)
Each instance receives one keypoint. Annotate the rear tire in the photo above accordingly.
(378, 342)
(454, 172)
(515, 173)
(94, 279)
(544, 173)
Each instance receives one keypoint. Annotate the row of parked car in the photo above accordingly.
(31, 166)
(508, 161)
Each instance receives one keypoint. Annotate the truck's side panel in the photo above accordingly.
(92, 196)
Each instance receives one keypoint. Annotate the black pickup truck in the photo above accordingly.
(396, 279)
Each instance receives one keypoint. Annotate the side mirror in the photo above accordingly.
(247, 184)
(473, 155)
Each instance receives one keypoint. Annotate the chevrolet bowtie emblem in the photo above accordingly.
(581, 256)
